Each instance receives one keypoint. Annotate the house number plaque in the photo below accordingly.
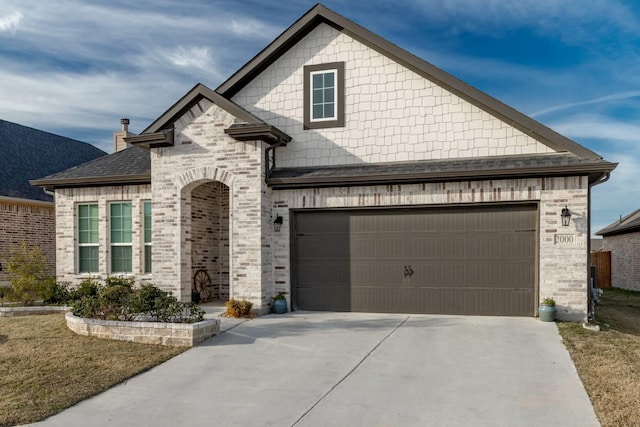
(564, 239)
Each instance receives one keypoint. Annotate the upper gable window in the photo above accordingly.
(324, 95)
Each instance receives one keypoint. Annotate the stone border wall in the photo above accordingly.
(32, 310)
(171, 334)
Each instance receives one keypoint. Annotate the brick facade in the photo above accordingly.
(625, 260)
(30, 222)
(67, 200)
(202, 154)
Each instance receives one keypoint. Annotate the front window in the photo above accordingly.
(120, 224)
(147, 237)
(324, 95)
(88, 238)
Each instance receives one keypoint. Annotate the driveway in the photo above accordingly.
(355, 369)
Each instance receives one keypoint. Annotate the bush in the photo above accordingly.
(29, 276)
(118, 300)
(238, 308)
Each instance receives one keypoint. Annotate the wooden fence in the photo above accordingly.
(602, 262)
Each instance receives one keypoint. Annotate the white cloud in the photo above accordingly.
(194, 56)
(600, 100)
(598, 127)
(10, 22)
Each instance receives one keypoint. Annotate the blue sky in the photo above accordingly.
(76, 67)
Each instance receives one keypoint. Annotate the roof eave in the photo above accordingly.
(263, 132)
(185, 103)
(152, 140)
(92, 181)
(439, 176)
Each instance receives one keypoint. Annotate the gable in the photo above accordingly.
(319, 15)
(392, 113)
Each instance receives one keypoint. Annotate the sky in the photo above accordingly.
(74, 68)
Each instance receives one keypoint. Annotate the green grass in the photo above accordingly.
(608, 361)
(45, 368)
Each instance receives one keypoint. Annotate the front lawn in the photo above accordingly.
(608, 361)
(45, 368)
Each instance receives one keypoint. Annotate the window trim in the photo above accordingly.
(146, 244)
(112, 244)
(339, 121)
(86, 245)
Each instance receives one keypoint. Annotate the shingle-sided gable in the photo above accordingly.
(29, 153)
(392, 113)
(398, 107)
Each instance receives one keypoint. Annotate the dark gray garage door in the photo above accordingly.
(478, 260)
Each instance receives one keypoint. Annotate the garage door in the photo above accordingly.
(478, 260)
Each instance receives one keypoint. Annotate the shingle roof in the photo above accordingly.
(132, 165)
(27, 153)
(560, 164)
(628, 224)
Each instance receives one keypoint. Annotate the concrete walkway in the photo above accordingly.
(354, 369)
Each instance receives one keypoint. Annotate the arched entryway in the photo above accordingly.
(210, 240)
(205, 233)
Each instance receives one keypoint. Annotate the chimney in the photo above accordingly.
(118, 137)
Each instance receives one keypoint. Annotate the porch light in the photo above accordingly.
(566, 217)
(277, 223)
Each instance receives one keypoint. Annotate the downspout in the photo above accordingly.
(590, 306)
(270, 149)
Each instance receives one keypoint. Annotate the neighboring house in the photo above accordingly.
(27, 213)
(347, 172)
(597, 245)
(622, 239)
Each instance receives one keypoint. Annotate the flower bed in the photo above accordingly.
(172, 334)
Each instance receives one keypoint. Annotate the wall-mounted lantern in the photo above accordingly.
(566, 217)
(277, 223)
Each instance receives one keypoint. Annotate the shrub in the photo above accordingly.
(29, 275)
(238, 308)
(118, 300)
(86, 288)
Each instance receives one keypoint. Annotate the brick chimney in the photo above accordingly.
(118, 137)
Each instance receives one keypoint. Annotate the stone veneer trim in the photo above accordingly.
(169, 334)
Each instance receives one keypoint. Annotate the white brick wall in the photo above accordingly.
(66, 228)
(392, 113)
(203, 153)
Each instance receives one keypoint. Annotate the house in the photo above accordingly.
(622, 239)
(27, 213)
(344, 170)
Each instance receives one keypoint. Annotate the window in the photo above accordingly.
(120, 237)
(324, 95)
(88, 238)
(147, 237)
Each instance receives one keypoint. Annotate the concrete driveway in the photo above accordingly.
(354, 369)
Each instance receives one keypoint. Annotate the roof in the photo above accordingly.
(129, 166)
(320, 14)
(628, 224)
(197, 93)
(28, 154)
(439, 171)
